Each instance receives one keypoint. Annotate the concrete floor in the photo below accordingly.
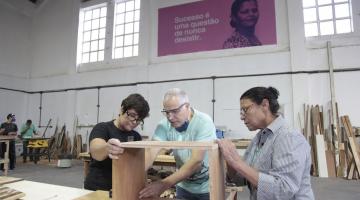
(324, 188)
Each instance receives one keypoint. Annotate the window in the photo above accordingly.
(327, 17)
(100, 39)
(126, 29)
(92, 34)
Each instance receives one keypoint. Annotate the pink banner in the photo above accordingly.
(207, 25)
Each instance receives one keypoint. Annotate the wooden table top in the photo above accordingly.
(8, 137)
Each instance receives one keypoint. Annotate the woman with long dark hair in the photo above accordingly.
(276, 164)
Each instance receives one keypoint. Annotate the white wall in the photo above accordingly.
(15, 43)
(53, 37)
(15, 61)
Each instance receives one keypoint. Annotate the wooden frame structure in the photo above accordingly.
(6, 139)
(129, 175)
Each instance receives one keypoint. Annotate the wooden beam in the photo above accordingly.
(321, 157)
(330, 161)
(216, 175)
(351, 170)
(170, 145)
(348, 129)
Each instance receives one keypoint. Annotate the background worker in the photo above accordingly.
(27, 131)
(183, 123)
(276, 164)
(105, 139)
(9, 128)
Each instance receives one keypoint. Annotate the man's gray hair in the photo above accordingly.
(177, 92)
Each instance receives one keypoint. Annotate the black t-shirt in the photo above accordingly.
(100, 172)
(9, 127)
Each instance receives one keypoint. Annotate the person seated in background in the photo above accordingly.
(27, 131)
(183, 123)
(106, 137)
(244, 17)
(9, 128)
(276, 164)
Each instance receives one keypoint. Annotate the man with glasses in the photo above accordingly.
(183, 123)
(106, 137)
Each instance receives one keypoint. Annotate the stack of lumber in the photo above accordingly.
(334, 150)
(60, 143)
(351, 151)
(10, 194)
(77, 146)
(314, 132)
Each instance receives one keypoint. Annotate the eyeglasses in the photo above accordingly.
(173, 111)
(133, 117)
(244, 111)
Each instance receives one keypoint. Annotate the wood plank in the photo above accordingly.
(10, 194)
(342, 163)
(353, 146)
(170, 145)
(234, 189)
(216, 175)
(104, 195)
(355, 153)
(351, 170)
(330, 161)
(128, 174)
(306, 119)
(8, 137)
(321, 157)
(313, 156)
(165, 158)
(241, 143)
(6, 179)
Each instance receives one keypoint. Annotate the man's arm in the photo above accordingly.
(188, 169)
(236, 164)
(24, 129)
(150, 156)
(35, 132)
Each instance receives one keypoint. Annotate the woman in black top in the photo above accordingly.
(106, 137)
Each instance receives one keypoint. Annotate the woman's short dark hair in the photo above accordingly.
(136, 102)
(258, 94)
(234, 11)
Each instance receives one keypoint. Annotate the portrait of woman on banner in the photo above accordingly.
(243, 19)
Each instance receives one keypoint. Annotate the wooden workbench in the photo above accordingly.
(35, 190)
(104, 195)
(6, 139)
